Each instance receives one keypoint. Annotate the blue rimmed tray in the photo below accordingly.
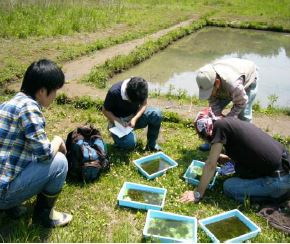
(231, 226)
(151, 170)
(140, 196)
(190, 177)
(170, 227)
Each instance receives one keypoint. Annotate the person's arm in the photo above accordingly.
(139, 113)
(33, 124)
(216, 106)
(239, 98)
(108, 107)
(58, 145)
(110, 116)
(207, 174)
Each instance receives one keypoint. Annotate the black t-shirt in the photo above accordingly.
(115, 104)
(255, 153)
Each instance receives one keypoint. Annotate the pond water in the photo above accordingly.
(176, 65)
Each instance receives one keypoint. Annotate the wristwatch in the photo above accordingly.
(197, 196)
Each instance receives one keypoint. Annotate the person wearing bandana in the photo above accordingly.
(261, 163)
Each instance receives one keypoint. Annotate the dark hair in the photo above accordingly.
(42, 74)
(137, 90)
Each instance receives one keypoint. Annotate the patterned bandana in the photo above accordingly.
(204, 121)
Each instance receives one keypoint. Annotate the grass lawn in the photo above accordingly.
(97, 217)
(63, 30)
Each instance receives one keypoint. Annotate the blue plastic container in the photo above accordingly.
(188, 177)
(155, 156)
(140, 205)
(253, 228)
(152, 215)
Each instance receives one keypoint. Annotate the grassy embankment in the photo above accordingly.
(96, 215)
(64, 30)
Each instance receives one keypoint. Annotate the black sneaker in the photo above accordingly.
(156, 148)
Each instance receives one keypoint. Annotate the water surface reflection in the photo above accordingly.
(175, 65)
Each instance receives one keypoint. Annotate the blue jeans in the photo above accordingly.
(35, 178)
(259, 189)
(247, 113)
(152, 118)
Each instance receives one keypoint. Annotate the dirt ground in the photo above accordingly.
(76, 69)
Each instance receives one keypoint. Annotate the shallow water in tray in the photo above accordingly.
(143, 196)
(228, 228)
(155, 165)
(171, 228)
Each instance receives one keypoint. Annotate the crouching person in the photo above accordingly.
(261, 163)
(30, 164)
(126, 103)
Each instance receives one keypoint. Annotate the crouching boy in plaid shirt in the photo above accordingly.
(30, 164)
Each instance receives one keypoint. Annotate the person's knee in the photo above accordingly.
(155, 116)
(229, 187)
(128, 143)
(231, 190)
(60, 163)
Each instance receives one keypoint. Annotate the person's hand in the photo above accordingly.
(58, 141)
(132, 123)
(62, 148)
(223, 159)
(124, 123)
(187, 196)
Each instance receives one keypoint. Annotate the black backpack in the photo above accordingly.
(86, 153)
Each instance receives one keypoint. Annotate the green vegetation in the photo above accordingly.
(78, 28)
(102, 73)
(82, 27)
(97, 218)
(64, 30)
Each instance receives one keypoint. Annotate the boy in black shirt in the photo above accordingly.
(126, 103)
(261, 163)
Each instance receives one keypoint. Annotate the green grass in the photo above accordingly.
(100, 74)
(97, 217)
(22, 19)
(26, 28)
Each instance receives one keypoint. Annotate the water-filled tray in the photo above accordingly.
(154, 165)
(169, 227)
(231, 226)
(194, 171)
(140, 196)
